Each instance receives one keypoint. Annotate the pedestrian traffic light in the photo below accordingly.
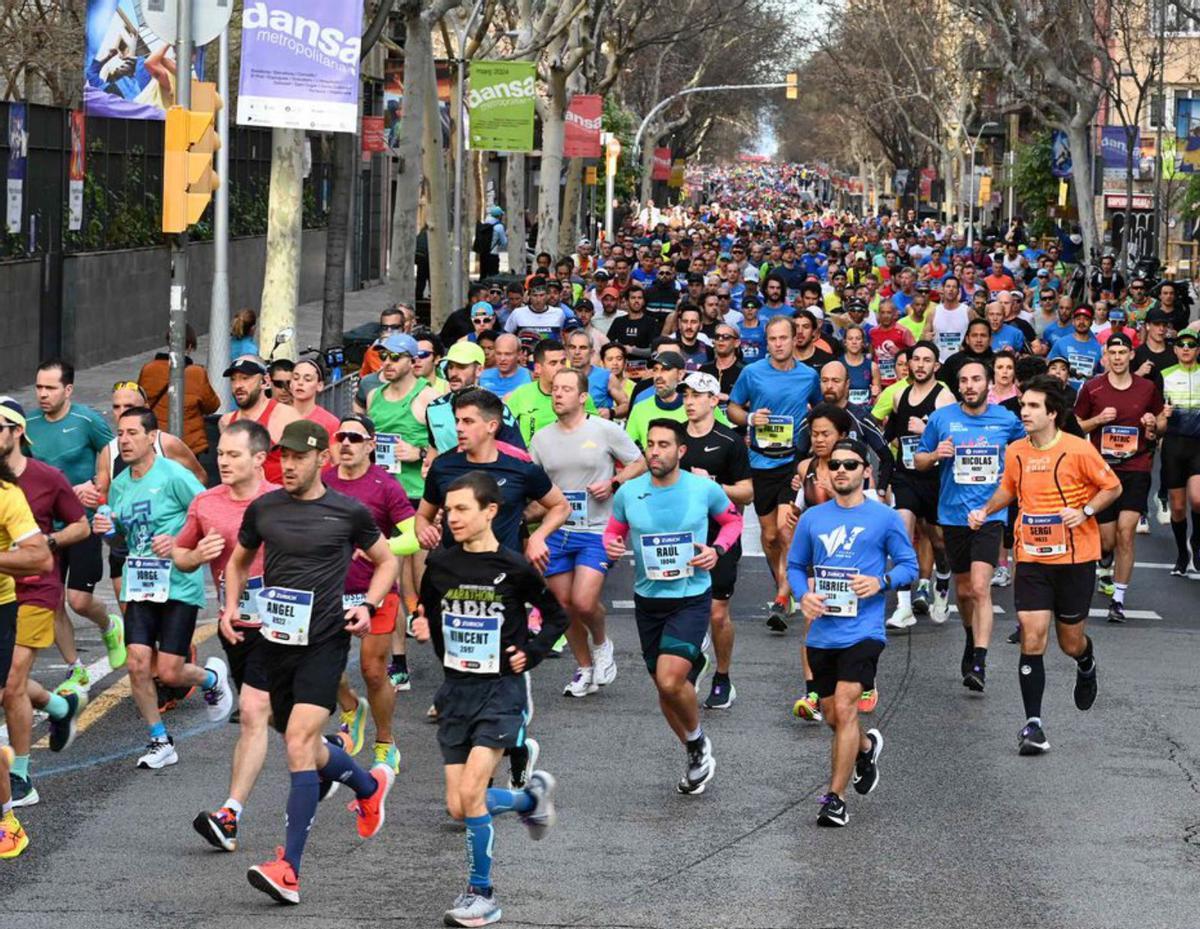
(793, 86)
(189, 179)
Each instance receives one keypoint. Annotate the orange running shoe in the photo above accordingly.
(13, 838)
(370, 811)
(277, 879)
(868, 700)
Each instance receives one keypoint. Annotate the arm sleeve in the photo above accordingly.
(405, 541)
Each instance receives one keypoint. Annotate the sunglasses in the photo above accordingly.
(1186, 343)
(847, 464)
(484, 319)
(282, 385)
(392, 356)
(354, 438)
(390, 328)
(10, 425)
(128, 385)
(423, 355)
(725, 338)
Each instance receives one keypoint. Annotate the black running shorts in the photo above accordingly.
(303, 674)
(724, 573)
(1180, 460)
(1135, 493)
(1063, 589)
(772, 487)
(82, 564)
(917, 494)
(489, 711)
(965, 546)
(246, 659)
(8, 637)
(167, 627)
(855, 663)
(673, 626)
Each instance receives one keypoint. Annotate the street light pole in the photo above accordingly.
(971, 198)
(218, 318)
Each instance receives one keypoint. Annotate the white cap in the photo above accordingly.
(702, 383)
(750, 274)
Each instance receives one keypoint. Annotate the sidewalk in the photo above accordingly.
(93, 386)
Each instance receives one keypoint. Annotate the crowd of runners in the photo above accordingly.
(904, 421)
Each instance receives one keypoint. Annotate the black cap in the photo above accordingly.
(695, 278)
(669, 359)
(1158, 315)
(751, 302)
(362, 419)
(1120, 338)
(856, 306)
(246, 364)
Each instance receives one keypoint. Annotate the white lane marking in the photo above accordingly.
(1098, 613)
(622, 604)
(996, 609)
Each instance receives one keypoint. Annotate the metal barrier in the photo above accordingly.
(338, 397)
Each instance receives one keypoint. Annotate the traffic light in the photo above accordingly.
(189, 179)
(793, 86)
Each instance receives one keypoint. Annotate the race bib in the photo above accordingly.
(976, 464)
(350, 601)
(472, 643)
(779, 433)
(247, 602)
(860, 397)
(285, 614)
(1119, 441)
(385, 452)
(834, 585)
(887, 367)
(148, 580)
(949, 342)
(1081, 365)
(908, 449)
(578, 499)
(1043, 536)
(665, 557)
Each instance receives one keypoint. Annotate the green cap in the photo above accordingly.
(304, 436)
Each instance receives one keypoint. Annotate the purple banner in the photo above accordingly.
(1114, 147)
(300, 64)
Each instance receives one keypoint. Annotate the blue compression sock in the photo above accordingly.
(57, 707)
(479, 851)
(158, 731)
(341, 767)
(301, 808)
(210, 680)
(508, 801)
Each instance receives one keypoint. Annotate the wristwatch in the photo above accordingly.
(885, 582)
(616, 485)
(719, 549)
(1088, 510)
(52, 544)
(372, 608)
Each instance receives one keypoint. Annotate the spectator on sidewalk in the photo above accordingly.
(242, 339)
(491, 240)
(199, 398)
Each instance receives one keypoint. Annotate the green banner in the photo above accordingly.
(501, 105)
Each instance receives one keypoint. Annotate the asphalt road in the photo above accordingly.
(1104, 831)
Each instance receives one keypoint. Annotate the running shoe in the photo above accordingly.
(114, 641)
(353, 723)
(370, 811)
(833, 811)
(777, 616)
(868, 701)
(13, 838)
(1014, 637)
(808, 708)
(1085, 688)
(721, 696)
(522, 763)
(939, 610)
(1143, 526)
(866, 765)
(386, 753)
(277, 879)
(1104, 583)
(218, 829)
(1116, 612)
(23, 791)
(1032, 740)
(975, 678)
(582, 683)
(401, 681)
(920, 600)
(62, 731)
(219, 697)
(605, 667)
(1181, 567)
(539, 820)
(235, 718)
(700, 768)
(902, 618)
(77, 680)
(159, 754)
(1162, 512)
(473, 909)
(1001, 577)
(559, 645)
(528, 699)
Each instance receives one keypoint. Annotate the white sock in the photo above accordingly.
(232, 804)
(1119, 593)
(904, 597)
(694, 735)
(6, 808)
(923, 584)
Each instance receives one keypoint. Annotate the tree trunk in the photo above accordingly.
(568, 230)
(471, 212)
(514, 195)
(550, 186)
(285, 211)
(648, 167)
(1127, 225)
(402, 254)
(337, 236)
(434, 165)
(1081, 166)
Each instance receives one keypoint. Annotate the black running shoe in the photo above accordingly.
(920, 601)
(833, 811)
(1014, 637)
(62, 731)
(1116, 612)
(1181, 567)
(721, 696)
(777, 617)
(975, 679)
(1195, 559)
(965, 664)
(218, 829)
(866, 765)
(1085, 688)
(1032, 740)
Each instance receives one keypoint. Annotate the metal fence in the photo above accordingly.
(338, 397)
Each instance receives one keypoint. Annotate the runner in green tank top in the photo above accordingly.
(401, 439)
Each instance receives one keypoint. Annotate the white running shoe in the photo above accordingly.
(901, 618)
(605, 667)
(1143, 526)
(539, 820)
(1162, 512)
(220, 696)
(159, 754)
(582, 683)
(939, 607)
(1001, 577)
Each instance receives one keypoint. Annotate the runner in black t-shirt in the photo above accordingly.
(473, 598)
(717, 452)
(311, 534)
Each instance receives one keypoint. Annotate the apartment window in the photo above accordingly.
(1182, 16)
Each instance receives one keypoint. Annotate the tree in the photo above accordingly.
(281, 276)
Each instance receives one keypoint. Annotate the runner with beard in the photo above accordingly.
(247, 382)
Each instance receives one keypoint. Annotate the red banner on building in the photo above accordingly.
(374, 135)
(662, 165)
(925, 185)
(582, 135)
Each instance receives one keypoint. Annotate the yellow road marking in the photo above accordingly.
(107, 701)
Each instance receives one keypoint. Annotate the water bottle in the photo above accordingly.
(105, 510)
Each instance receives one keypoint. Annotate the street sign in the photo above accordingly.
(589, 175)
(209, 19)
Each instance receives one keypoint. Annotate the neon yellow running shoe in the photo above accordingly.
(387, 753)
(114, 641)
(77, 681)
(354, 725)
(808, 708)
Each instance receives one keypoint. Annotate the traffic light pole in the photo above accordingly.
(179, 246)
(218, 319)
